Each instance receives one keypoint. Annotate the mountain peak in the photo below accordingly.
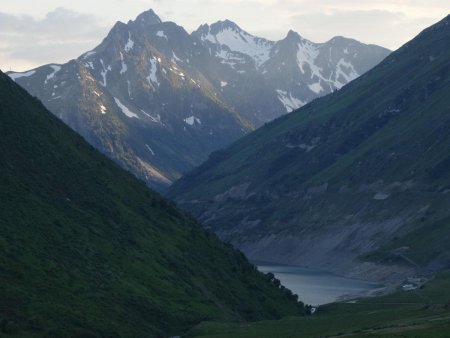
(292, 35)
(217, 27)
(225, 24)
(147, 18)
(339, 39)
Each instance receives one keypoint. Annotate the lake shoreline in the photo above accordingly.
(317, 287)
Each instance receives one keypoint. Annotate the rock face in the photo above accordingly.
(354, 182)
(159, 100)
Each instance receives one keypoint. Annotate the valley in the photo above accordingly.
(355, 183)
(215, 183)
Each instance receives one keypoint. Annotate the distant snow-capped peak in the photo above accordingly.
(227, 33)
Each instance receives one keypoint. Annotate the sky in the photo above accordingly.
(33, 32)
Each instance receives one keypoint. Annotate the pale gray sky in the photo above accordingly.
(33, 32)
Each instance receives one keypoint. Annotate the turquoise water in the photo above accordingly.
(316, 287)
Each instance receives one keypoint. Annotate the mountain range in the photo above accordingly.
(159, 100)
(87, 250)
(356, 182)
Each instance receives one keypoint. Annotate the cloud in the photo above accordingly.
(60, 36)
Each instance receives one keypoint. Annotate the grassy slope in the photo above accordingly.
(419, 313)
(87, 250)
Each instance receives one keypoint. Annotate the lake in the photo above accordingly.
(316, 287)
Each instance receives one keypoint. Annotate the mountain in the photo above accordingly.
(87, 250)
(356, 182)
(158, 100)
(264, 79)
(136, 98)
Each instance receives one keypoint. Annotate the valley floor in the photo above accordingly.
(423, 312)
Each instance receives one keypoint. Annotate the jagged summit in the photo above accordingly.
(295, 38)
(147, 18)
(226, 24)
(292, 35)
(342, 40)
(211, 32)
(144, 21)
(216, 28)
(141, 25)
(226, 34)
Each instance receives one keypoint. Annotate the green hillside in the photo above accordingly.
(365, 170)
(86, 250)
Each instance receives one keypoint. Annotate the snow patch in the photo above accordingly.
(175, 57)
(347, 71)
(229, 58)
(161, 35)
(128, 87)
(130, 43)
(290, 103)
(150, 150)
(306, 55)
(15, 76)
(104, 72)
(191, 120)
(50, 76)
(125, 109)
(124, 65)
(152, 79)
(316, 87)
(156, 119)
(242, 42)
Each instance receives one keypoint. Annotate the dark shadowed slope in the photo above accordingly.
(86, 250)
(353, 182)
